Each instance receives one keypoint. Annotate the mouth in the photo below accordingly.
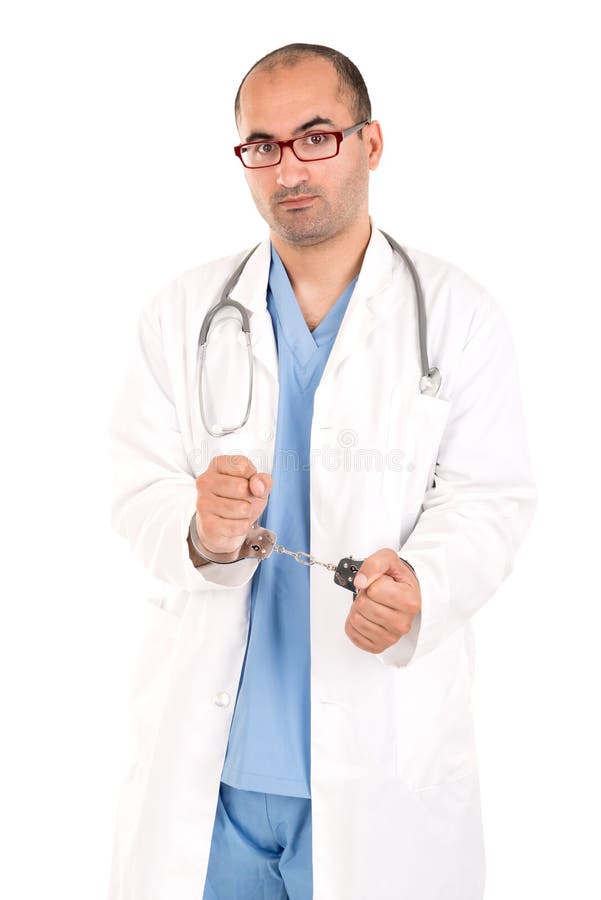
(297, 202)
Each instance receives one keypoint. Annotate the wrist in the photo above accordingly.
(203, 554)
(197, 560)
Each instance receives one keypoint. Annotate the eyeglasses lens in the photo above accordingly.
(308, 147)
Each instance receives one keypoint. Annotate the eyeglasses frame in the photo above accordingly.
(339, 135)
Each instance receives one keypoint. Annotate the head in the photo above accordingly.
(298, 90)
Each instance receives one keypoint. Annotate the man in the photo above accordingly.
(296, 740)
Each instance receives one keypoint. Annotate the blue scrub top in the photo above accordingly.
(269, 748)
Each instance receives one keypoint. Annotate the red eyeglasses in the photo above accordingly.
(308, 148)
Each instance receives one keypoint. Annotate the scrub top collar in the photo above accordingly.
(302, 342)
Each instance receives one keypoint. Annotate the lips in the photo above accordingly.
(297, 201)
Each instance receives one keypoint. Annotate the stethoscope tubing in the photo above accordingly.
(430, 379)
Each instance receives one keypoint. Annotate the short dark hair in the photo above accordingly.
(350, 79)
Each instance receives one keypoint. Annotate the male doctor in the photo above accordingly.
(293, 741)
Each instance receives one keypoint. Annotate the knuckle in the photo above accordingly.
(244, 466)
(217, 464)
(228, 465)
(237, 462)
(412, 605)
(201, 480)
(232, 464)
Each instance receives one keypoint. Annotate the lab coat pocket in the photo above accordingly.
(416, 427)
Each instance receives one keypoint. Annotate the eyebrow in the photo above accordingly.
(264, 136)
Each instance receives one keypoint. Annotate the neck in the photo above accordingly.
(319, 273)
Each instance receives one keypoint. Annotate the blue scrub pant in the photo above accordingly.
(261, 847)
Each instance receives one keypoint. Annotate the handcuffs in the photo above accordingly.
(260, 543)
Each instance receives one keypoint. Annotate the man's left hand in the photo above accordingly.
(386, 605)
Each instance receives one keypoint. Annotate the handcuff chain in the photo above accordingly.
(309, 561)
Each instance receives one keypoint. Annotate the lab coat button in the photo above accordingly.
(265, 434)
(222, 699)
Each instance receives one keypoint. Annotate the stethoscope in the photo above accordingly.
(429, 382)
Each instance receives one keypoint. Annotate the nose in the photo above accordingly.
(291, 170)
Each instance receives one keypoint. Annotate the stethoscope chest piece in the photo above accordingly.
(430, 384)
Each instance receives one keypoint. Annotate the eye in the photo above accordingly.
(316, 139)
(266, 148)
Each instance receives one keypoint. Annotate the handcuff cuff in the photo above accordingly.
(260, 543)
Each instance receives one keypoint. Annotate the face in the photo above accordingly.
(307, 202)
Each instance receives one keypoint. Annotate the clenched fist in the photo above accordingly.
(389, 599)
(231, 496)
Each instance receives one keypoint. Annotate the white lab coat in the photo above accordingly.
(445, 481)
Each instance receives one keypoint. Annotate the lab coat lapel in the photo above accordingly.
(360, 317)
(251, 292)
(361, 314)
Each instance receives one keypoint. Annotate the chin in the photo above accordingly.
(295, 233)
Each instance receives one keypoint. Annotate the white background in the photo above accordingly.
(112, 113)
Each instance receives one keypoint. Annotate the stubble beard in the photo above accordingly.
(319, 222)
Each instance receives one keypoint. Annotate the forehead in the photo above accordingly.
(278, 100)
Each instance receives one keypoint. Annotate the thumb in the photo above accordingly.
(260, 485)
(384, 562)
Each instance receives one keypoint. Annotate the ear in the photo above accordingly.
(374, 143)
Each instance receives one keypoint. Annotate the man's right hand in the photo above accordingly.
(231, 496)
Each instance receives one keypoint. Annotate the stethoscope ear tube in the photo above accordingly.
(225, 429)
(226, 301)
(430, 381)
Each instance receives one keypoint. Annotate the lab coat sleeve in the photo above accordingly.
(482, 500)
(153, 487)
